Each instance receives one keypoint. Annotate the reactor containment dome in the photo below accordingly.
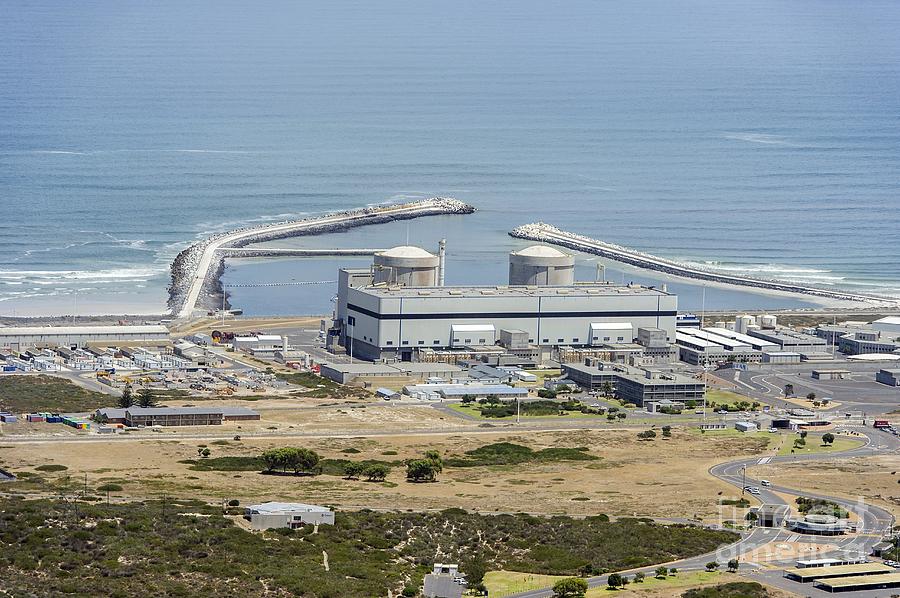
(540, 265)
(406, 266)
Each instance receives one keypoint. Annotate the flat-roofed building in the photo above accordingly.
(788, 340)
(391, 322)
(19, 338)
(860, 583)
(637, 385)
(292, 515)
(806, 574)
(180, 416)
(891, 377)
(697, 351)
(751, 341)
(866, 342)
(889, 326)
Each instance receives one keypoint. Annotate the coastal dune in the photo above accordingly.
(196, 271)
(546, 233)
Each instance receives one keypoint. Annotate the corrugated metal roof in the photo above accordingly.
(71, 330)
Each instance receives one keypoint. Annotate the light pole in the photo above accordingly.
(743, 479)
(518, 410)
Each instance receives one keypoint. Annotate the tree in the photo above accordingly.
(816, 404)
(661, 572)
(667, 431)
(788, 390)
(146, 398)
(353, 470)
(712, 566)
(621, 415)
(638, 577)
(421, 470)
(811, 396)
(290, 458)
(647, 435)
(615, 581)
(827, 438)
(803, 434)
(377, 472)
(205, 452)
(127, 398)
(435, 457)
(466, 399)
(571, 587)
(607, 389)
(673, 571)
(733, 565)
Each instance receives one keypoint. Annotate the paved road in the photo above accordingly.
(874, 521)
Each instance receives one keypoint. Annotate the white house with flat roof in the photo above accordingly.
(292, 515)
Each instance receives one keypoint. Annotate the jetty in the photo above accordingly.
(196, 271)
(546, 233)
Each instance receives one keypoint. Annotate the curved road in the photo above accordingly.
(873, 521)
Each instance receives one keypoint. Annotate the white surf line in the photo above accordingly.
(542, 232)
(208, 257)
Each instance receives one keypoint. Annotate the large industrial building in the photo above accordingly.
(393, 310)
(20, 338)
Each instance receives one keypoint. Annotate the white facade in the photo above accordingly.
(386, 322)
(889, 326)
(77, 336)
(271, 515)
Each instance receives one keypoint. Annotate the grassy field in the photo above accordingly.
(619, 475)
(185, 547)
(318, 387)
(504, 583)
(473, 411)
(30, 393)
(681, 581)
(814, 445)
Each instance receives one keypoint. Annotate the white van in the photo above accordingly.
(765, 483)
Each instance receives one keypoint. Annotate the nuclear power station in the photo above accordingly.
(398, 308)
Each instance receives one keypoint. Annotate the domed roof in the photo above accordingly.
(406, 251)
(540, 251)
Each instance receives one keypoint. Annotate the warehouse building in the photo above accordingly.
(175, 416)
(698, 351)
(788, 340)
(394, 311)
(20, 338)
(292, 515)
(807, 574)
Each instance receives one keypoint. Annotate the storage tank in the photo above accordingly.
(406, 266)
(768, 321)
(742, 322)
(540, 265)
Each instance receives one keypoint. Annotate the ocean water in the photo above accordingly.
(757, 137)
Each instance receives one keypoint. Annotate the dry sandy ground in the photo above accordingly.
(662, 478)
(875, 478)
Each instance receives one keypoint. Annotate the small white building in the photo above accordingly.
(745, 426)
(292, 515)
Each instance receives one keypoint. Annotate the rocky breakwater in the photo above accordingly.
(547, 233)
(196, 271)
